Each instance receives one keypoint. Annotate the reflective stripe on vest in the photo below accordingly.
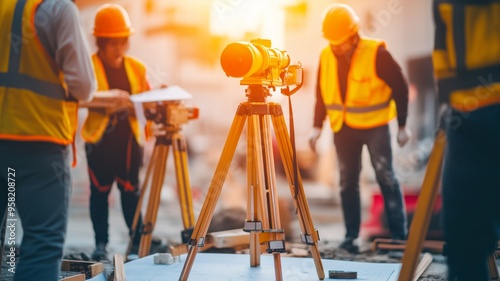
(358, 109)
(33, 102)
(467, 59)
(96, 123)
(368, 101)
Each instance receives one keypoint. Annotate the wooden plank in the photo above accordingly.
(229, 238)
(89, 268)
(119, 274)
(400, 245)
(234, 238)
(425, 261)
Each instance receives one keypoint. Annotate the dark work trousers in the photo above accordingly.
(349, 144)
(40, 197)
(471, 191)
(116, 158)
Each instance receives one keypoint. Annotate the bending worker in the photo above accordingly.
(113, 141)
(467, 68)
(361, 88)
(45, 70)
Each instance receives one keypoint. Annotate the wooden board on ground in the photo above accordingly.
(87, 269)
(431, 246)
(424, 262)
(119, 274)
(234, 238)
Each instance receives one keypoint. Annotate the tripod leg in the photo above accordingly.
(207, 210)
(310, 235)
(151, 164)
(275, 246)
(154, 199)
(423, 210)
(255, 208)
(183, 183)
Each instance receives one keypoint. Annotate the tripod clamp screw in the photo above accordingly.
(199, 243)
(147, 228)
(310, 239)
(252, 226)
(276, 246)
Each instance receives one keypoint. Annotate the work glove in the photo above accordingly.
(403, 136)
(313, 138)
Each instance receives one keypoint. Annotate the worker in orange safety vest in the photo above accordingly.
(45, 70)
(361, 88)
(113, 140)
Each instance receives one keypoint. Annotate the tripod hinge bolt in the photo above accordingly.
(147, 228)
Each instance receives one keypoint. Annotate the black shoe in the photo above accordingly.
(348, 245)
(100, 252)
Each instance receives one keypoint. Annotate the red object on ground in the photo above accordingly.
(376, 225)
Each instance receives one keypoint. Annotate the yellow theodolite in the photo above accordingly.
(261, 68)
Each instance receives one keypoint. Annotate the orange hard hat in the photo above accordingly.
(340, 22)
(112, 21)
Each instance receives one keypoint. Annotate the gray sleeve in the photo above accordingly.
(71, 51)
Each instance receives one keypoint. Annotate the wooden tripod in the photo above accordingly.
(423, 213)
(169, 136)
(262, 221)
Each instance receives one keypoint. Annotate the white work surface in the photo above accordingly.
(219, 267)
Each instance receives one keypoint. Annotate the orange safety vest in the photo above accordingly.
(368, 100)
(96, 123)
(34, 103)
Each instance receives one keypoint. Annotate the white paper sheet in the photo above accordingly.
(170, 93)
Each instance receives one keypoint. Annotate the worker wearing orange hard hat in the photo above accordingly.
(361, 88)
(113, 140)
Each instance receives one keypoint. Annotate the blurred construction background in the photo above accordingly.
(180, 41)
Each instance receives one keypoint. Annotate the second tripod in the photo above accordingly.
(168, 116)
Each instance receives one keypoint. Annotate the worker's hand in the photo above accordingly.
(313, 138)
(121, 98)
(121, 95)
(403, 136)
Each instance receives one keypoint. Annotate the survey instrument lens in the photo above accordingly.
(237, 59)
(259, 64)
(242, 59)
